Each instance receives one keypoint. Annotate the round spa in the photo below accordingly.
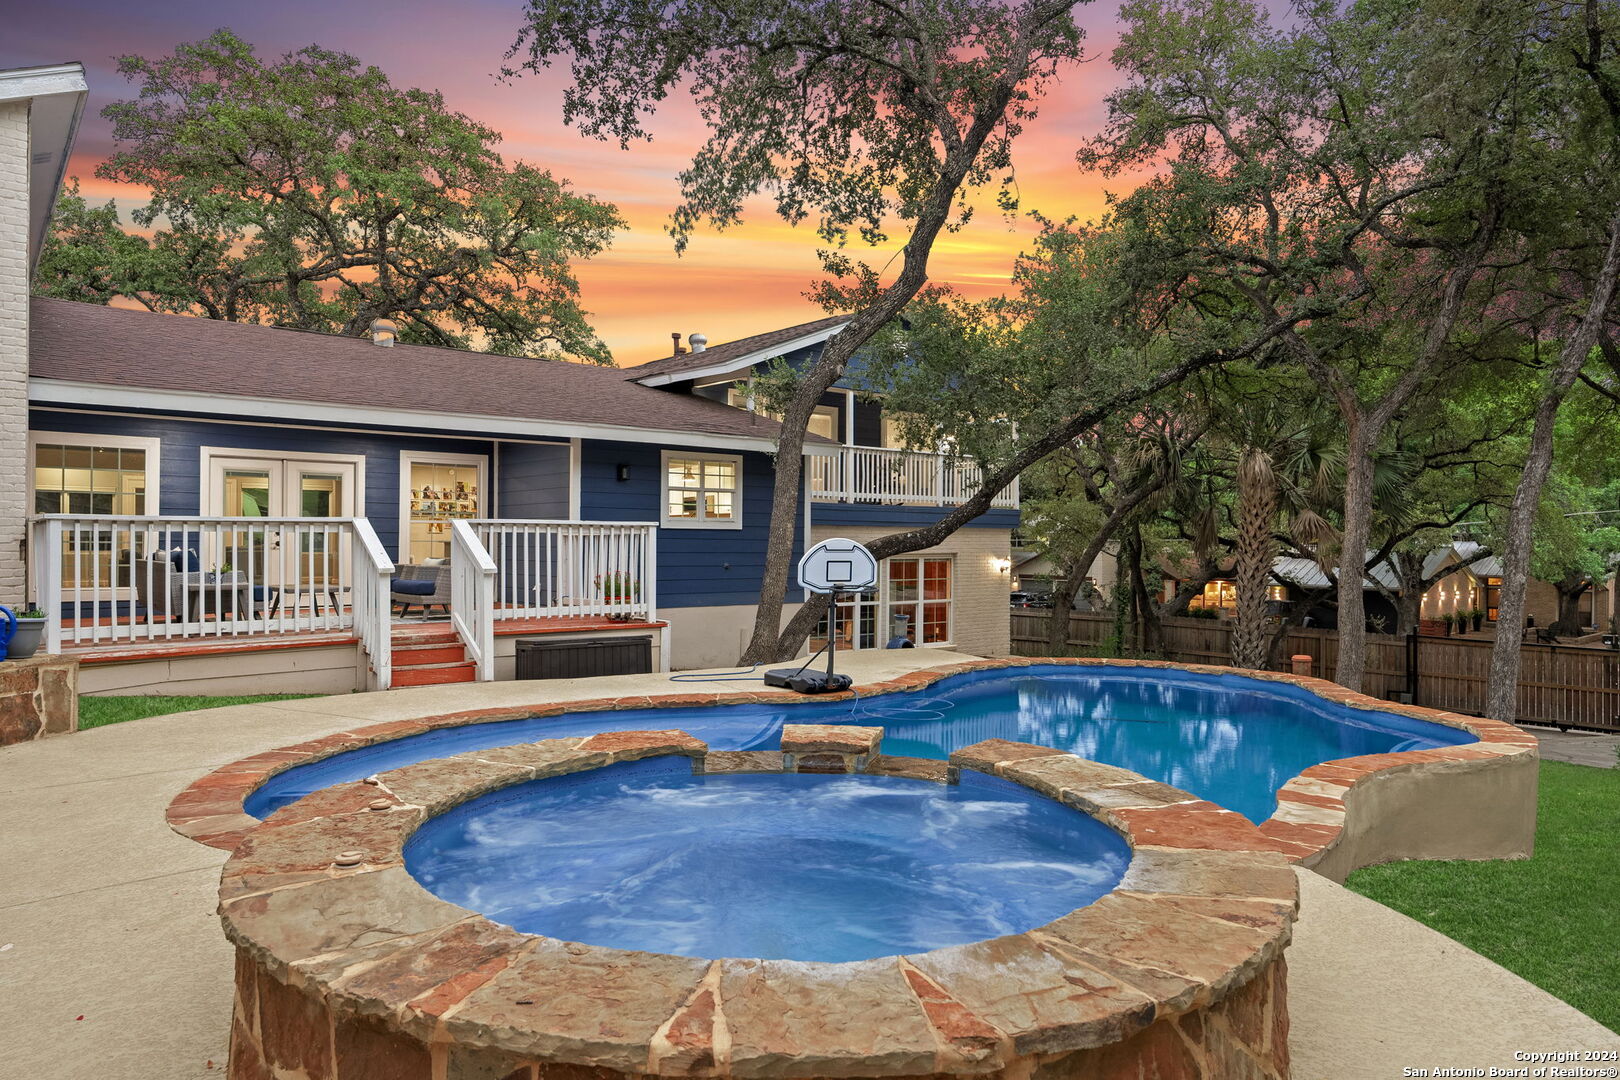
(633, 904)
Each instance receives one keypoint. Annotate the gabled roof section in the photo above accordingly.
(86, 354)
(56, 102)
(735, 355)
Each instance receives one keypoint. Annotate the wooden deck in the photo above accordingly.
(407, 632)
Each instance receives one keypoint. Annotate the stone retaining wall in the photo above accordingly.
(39, 696)
(347, 969)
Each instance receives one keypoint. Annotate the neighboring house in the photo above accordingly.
(1293, 581)
(953, 594)
(1478, 585)
(217, 506)
(1468, 587)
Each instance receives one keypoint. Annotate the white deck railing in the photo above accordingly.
(557, 568)
(373, 606)
(107, 579)
(871, 474)
(472, 598)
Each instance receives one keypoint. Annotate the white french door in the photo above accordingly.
(308, 561)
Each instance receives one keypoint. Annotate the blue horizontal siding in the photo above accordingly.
(180, 455)
(532, 481)
(696, 567)
(902, 517)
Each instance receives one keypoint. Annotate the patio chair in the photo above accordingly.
(161, 590)
(421, 586)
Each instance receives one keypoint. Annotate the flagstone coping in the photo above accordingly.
(1309, 821)
(339, 947)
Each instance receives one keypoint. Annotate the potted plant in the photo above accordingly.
(25, 640)
(1478, 618)
(618, 587)
(1448, 620)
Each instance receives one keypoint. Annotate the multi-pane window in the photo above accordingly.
(1493, 597)
(857, 623)
(920, 589)
(1217, 596)
(89, 479)
(86, 477)
(702, 491)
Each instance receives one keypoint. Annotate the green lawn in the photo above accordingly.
(101, 711)
(1553, 919)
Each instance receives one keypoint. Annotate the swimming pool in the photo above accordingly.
(778, 866)
(1231, 739)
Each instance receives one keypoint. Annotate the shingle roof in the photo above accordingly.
(734, 350)
(86, 343)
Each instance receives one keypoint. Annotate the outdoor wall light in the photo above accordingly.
(623, 472)
(1001, 566)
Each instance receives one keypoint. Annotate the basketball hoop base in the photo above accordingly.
(808, 682)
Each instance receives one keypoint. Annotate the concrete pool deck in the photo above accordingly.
(110, 916)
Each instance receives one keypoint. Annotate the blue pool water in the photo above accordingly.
(1226, 738)
(777, 866)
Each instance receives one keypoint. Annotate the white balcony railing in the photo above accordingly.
(870, 474)
(116, 579)
(548, 569)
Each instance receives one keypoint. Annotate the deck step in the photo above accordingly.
(417, 655)
(435, 674)
(436, 636)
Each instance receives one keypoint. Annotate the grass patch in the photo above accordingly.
(1551, 919)
(97, 712)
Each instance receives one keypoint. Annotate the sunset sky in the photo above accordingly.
(727, 285)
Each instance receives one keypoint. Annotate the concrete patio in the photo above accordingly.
(112, 960)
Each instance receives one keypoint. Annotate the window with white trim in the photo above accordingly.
(921, 590)
(702, 491)
(93, 475)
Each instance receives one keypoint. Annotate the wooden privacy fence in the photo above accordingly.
(1559, 685)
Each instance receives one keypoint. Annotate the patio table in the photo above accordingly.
(231, 589)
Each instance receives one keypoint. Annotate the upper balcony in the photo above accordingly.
(871, 474)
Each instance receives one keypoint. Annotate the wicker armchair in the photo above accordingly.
(439, 597)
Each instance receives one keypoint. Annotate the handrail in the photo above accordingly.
(373, 603)
(552, 569)
(877, 474)
(472, 597)
(103, 578)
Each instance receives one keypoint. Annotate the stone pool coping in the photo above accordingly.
(1310, 823)
(318, 902)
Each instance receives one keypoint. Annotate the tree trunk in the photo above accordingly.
(1057, 627)
(1150, 636)
(1353, 560)
(1256, 551)
(1409, 604)
(1570, 591)
(1502, 698)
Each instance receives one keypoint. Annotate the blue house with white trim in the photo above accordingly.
(218, 506)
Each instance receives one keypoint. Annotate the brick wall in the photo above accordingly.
(14, 158)
(979, 620)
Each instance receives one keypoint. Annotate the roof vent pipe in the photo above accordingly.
(384, 333)
(699, 342)
(675, 335)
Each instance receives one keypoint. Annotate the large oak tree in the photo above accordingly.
(312, 192)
